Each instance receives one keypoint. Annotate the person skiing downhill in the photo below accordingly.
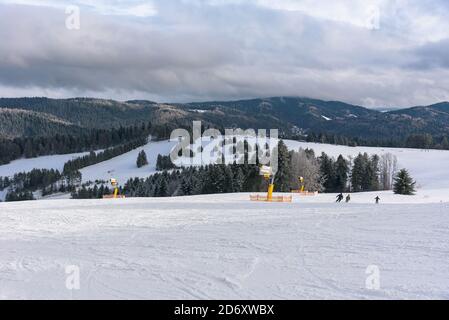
(340, 197)
(377, 199)
(348, 198)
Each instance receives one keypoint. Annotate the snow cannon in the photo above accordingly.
(115, 195)
(268, 175)
(301, 191)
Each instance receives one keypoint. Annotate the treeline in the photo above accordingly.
(94, 158)
(418, 141)
(22, 185)
(321, 173)
(164, 163)
(97, 192)
(31, 147)
(197, 180)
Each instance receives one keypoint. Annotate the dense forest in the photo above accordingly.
(62, 144)
(418, 141)
(22, 185)
(294, 117)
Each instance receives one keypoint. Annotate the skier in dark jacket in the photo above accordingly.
(377, 199)
(348, 198)
(340, 197)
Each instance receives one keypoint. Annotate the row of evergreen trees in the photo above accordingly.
(19, 196)
(21, 185)
(164, 163)
(418, 141)
(33, 180)
(322, 173)
(197, 180)
(94, 158)
(97, 192)
(30, 147)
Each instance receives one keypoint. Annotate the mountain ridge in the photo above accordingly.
(289, 114)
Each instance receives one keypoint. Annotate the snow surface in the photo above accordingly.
(124, 166)
(45, 162)
(225, 247)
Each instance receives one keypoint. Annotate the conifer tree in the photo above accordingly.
(327, 169)
(403, 183)
(141, 159)
(283, 174)
(341, 174)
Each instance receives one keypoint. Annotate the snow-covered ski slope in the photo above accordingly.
(429, 167)
(124, 166)
(225, 247)
(45, 162)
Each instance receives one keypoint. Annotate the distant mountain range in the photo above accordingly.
(42, 116)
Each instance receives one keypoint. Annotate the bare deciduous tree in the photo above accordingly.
(388, 169)
(306, 166)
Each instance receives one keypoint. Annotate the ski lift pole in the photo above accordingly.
(115, 186)
(301, 183)
(270, 188)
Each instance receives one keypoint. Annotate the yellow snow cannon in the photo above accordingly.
(115, 195)
(268, 175)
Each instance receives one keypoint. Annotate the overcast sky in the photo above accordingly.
(376, 53)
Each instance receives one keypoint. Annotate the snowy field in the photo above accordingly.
(225, 247)
(124, 166)
(45, 162)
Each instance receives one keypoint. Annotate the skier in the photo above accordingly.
(377, 199)
(348, 198)
(340, 197)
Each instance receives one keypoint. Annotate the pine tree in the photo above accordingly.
(283, 174)
(358, 173)
(327, 169)
(238, 180)
(341, 174)
(445, 143)
(403, 183)
(141, 159)
(162, 188)
(228, 180)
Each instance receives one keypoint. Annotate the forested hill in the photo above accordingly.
(294, 116)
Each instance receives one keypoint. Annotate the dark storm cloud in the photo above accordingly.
(431, 55)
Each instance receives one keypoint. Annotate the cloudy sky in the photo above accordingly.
(376, 53)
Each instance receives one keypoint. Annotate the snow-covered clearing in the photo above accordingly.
(124, 166)
(224, 246)
(45, 162)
